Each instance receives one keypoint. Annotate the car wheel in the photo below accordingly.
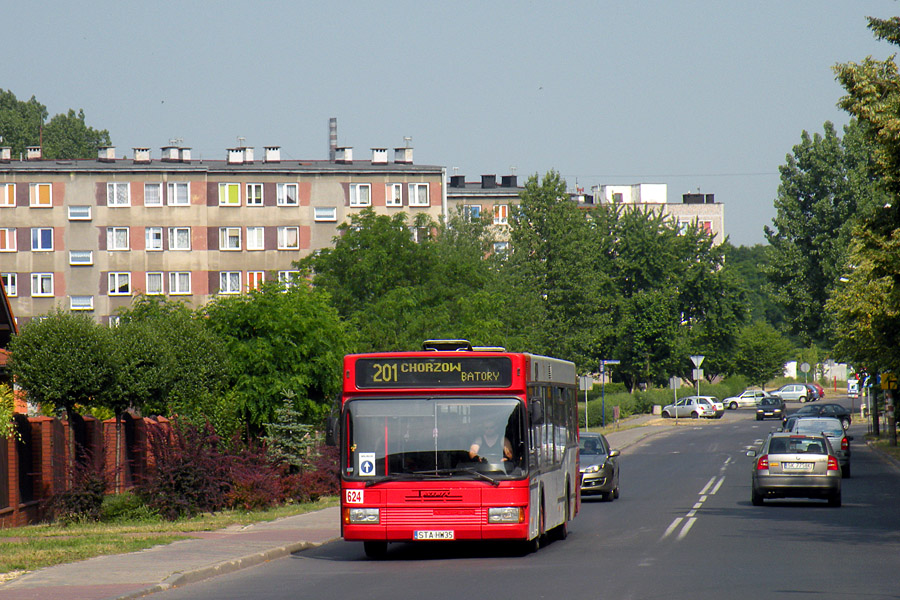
(616, 493)
(756, 498)
(666, 415)
(375, 550)
(835, 500)
(802, 399)
(733, 405)
(695, 415)
(845, 472)
(759, 418)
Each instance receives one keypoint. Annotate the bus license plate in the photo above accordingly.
(433, 535)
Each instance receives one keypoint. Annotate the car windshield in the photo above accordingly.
(796, 445)
(828, 427)
(768, 401)
(409, 438)
(591, 446)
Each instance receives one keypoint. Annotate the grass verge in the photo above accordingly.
(883, 445)
(28, 548)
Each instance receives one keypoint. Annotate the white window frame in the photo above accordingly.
(37, 286)
(468, 209)
(284, 194)
(118, 194)
(283, 238)
(289, 277)
(79, 213)
(501, 248)
(8, 239)
(81, 303)
(255, 193)
(10, 284)
(501, 214)
(256, 238)
(176, 283)
(81, 257)
(323, 214)
(360, 194)
(229, 238)
(118, 280)
(37, 239)
(34, 195)
(7, 194)
(225, 190)
(172, 189)
(114, 241)
(153, 239)
(255, 279)
(173, 238)
(229, 282)
(414, 194)
(393, 195)
(158, 287)
(159, 194)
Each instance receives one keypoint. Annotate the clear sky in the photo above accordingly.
(705, 94)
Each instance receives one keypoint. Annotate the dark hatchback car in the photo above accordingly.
(770, 407)
(599, 466)
(828, 409)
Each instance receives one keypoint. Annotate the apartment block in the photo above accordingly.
(89, 235)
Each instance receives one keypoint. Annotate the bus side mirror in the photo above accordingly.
(537, 413)
(331, 435)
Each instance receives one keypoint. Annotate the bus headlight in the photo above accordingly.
(364, 516)
(506, 514)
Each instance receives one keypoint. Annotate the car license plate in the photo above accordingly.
(433, 535)
(797, 466)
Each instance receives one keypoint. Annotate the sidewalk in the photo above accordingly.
(207, 554)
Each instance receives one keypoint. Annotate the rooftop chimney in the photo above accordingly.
(403, 156)
(509, 181)
(235, 156)
(5, 153)
(457, 181)
(141, 155)
(379, 156)
(273, 154)
(33, 153)
(332, 138)
(488, 181)
(343, 155)
(106, 153)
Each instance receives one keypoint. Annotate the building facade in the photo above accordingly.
(89, 235)
(486, 197)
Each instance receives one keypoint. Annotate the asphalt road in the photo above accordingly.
(683, 528)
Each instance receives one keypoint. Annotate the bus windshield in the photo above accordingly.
(425, 438)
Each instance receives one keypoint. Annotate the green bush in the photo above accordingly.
(126, 507)
(82, 500)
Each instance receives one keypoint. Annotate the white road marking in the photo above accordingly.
(687, 528)
(672, 527)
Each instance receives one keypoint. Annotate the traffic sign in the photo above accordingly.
(888, 381)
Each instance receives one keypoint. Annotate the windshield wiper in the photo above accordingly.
(458, 471)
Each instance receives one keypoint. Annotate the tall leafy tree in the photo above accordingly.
(761, 353)
(20, 121)
(749, 265)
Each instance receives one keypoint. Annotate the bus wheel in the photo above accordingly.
(562, 530)
(375, 550)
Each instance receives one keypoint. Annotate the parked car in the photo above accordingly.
(599, 467)
(813, 392)
(770, 407)
(826, 410)
(831, 428)
(717, 404)
(792, 391)
(690, 406)
(793, 465)
(747, 398)
(819, 389)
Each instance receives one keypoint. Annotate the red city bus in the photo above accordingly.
(456, 443)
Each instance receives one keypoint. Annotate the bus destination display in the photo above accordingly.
(471, 371)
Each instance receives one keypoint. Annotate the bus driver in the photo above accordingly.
(487, 446)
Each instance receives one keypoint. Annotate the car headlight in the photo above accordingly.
(591, 469)
(506, 514)
(365, 515)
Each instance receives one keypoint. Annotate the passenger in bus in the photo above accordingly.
(491, 446)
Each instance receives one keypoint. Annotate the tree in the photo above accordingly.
(749, 265)
(66, 136)
(824, 183)
(61, 361)
(761, 353)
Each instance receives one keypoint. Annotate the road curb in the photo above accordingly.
(229, 566)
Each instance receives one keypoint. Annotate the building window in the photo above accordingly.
(256, 238)
(288, 278)
(229, 238)
(40, 195)
(7, 194)
(117, 194)
(255, 279)
(472, 212)
(230, 282)
(501, 214)
(501, 248)
(79, 213)
(10, 283)
(418, 194)
(287, 194)
(120, 284)
(180, 283)
(229, 194)
(81, 257)
(42, 239)
(394, 193)
(288, 238)
(154, 284)
(325, 213)
(41, 284)
(179, 238)
(153, 238)
(254, 194)
(360, 194)
(81, 303)
(177, 194)
(153, 194)
(117, 238)
(7, 239)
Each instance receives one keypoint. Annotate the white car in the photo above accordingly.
(747, 398)
(691, 406)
